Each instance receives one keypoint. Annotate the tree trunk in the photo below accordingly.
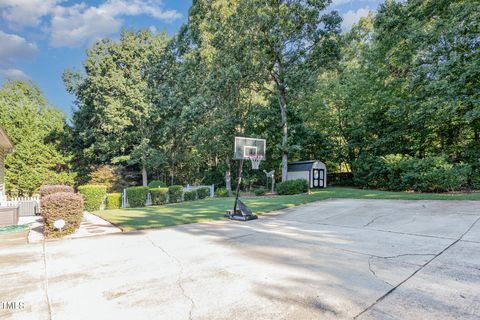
(228, 177)
(144, 176)
(282, 101)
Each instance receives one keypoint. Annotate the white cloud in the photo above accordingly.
(25, 13)
(153, 29)
(336, 3)
(79, 24)
(340, 2)
(14, 74)
(14, 47)
(351, 17)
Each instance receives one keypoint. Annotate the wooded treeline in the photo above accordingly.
(395, 99)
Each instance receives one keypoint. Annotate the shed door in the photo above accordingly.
(318, 178)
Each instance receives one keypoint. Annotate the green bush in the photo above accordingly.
(159, 196)
(62, 205)
(260, 191)
(137, 196)
(50, 189)
(369, 172)
(292, 186)
(221, 193)
(157, 184)
(402, 173)
(190, 195)
(93, 195)
(175, 194)
(114, 200)
(203, 193)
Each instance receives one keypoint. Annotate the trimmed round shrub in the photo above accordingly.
(62, 205)
(93, 195)
(260, 191)
(175, 194)
(159, 196)
(190, 195)
(203, 193)
(50, 189)
(292, 186)
(221, 193)
(137, 196)
(157, 184)
(114, 200)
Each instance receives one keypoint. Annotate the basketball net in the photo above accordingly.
(255, 162)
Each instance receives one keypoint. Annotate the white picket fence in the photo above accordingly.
(28, 206)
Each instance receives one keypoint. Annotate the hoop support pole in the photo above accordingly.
(240, 170)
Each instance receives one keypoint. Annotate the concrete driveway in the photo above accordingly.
(336, 259)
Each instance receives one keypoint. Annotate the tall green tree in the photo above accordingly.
(227, 81)
(35, 129)
(405, 84)
(287, 41)
(116, 120)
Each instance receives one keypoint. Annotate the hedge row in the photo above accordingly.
(292, 186)
(175, 194)
(402, 173)
(159, 196)
(93, 195)
(203, 193)
(190, 195)
(114, 200)
(221, 193)
(137, 196)
(61, 205)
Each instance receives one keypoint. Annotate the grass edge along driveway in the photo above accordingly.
(213, 209)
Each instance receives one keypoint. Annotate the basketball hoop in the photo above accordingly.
(255, 162)
(252, 149)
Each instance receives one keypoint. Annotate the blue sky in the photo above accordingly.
(39, 39)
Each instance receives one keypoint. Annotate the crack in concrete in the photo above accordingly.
(416, 271)
(378, 230)
(370, 267)
(374, 273)
(47, 297)
(336, 248)
(373, 220)
(179, 277)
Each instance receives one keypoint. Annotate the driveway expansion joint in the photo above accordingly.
(179, 277)
(416, 271)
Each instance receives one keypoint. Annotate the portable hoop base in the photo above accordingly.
(239, 216)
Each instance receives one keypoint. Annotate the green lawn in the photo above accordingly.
(213, 209)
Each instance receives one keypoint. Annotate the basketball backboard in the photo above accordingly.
(248, 148)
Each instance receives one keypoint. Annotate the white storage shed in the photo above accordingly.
(314, 171)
